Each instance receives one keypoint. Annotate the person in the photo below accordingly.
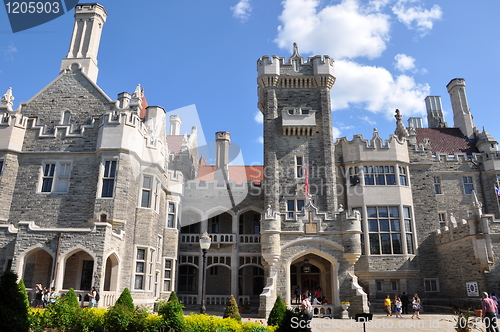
(416, 306)
(52, 295)
(45, 297)
(316, 301)
(297, 294)
(495, 299)
(490, 320)
(404, 303)
(318, 293)
(38, 296)
(92, 295)
(387, 304)
(398, 304)
(307, 307)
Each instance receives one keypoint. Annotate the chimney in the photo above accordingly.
(175, 125)
(84, 45)
(461, 114)
(435, 117)
(222, 139)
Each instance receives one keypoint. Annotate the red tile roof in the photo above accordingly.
(174, 143)
(446, 140)
(236, 173)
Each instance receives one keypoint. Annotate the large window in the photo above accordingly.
(55, 177)
(384, 228)
(140, 269)
(468, 184)
(408, 229)
(147, 186)
(108, 178)
(437, 185)
(188, 275)
(293, 206)
(167, 276)
(171, 215)
(379, 175)
(431, 285)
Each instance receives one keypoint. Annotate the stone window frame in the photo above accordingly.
(468, 183)
(437, 185)
(292, 214)
(442, 218)
(168, 271)
(406, 233)
(171, 213)
(153, 198)
(431, 285)
(55, 177)
(299, 166)
(107, 177)
(140, 267)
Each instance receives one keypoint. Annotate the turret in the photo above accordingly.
(175, 125)
(84, 45)
(461, 114)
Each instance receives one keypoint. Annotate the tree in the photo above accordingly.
(22, 289)
(13, 309)
(64, 312)
(126, 300)
(277, 314)
(232, 310)
(172, 313)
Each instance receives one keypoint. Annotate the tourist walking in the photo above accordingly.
(387, 304)
(92, 297)
(307, 307)
(416, 306)
(489, 317)
(398, 304)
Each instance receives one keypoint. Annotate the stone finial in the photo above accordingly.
(295, 50)
(8, 99)
(137, 95)
(400, 131)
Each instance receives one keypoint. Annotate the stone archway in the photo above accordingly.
(111, 273)
(309, 272)
(78, 271)
(37, 268)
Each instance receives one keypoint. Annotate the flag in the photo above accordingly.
(497, 191)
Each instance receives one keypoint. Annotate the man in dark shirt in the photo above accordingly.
(489, 317)
(404, 302)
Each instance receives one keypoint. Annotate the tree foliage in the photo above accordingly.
(172, 313)
(277, 313)
(232, 310)
(13, 310)
(126, 300)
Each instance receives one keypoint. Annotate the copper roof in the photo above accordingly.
(446, 140)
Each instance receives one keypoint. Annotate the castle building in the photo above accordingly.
(97, 192)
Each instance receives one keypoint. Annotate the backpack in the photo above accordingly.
(97, 297)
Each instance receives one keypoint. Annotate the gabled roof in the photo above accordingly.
(239, 174)
(446, 140)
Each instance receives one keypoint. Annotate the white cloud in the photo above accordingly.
(368, 120)
(377, 90)
(404, 62)
(415, 17)
(242, 10)
(344, 30)
(260, 139)
(9, 52)
(336, 132)
(258, 117)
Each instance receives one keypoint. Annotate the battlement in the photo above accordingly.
(296, 66)
(375, 149)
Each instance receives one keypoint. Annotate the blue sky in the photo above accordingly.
(389, 54)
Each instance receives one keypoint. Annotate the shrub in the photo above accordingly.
(37, 319)
(154, 323)
(232, 310)
(254, 327)
(277, 313)
(126, 300)
(172, 313)
(13, 310)
(64, 312)
(208, 323)
(118, 318)
(90, 319)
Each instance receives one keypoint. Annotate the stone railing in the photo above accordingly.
(249, 238)
(188, 299)
(320, 310)
(217, 238)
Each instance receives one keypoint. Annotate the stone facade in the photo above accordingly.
(95, 192)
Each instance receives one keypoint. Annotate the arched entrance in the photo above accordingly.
(310, 273)
(78, 271)
(111, 273)
(37, 268)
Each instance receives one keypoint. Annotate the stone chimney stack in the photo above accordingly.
(175, 125)
(461, 114)
(222, 139)
(84, 45)
(435, 117)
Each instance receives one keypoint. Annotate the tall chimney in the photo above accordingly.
(222, 139)
(435, 117)
(84, 45)
(461, 114)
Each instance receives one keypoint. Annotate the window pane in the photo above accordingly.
(394, 211)
(385, 239)
(300, 204)
(139, 267)
(369, 180)
(47, 185)
(170, 221)
(291, 205)
(145, 198)
(384, 225)
(146, 183)
(64, 170)
(107, 187)
(373, 225)
(138, 282)
(396, 244)
(374, 244)
(406, 211)
(409, 243)
(112, 172)
(166, 286)
(391, 179)
(382, 212)
(62, 185)
(168, 264)
(141, 254)
(380, 179)
(372, 212)
(408, 225)
(171, 207)
(395, 225)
